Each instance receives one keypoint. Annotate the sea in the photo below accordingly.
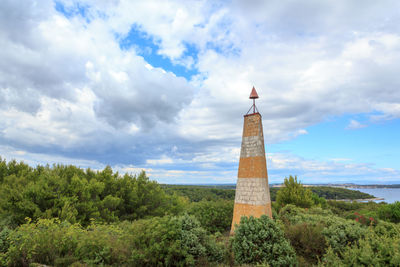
(390, 195)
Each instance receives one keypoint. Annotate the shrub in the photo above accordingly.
(342, 233)
(260, 240)
(364, 220)
(307, 240)
(291, 214)
(102, 244)
(294, 193)
(172, 241)
(41, 242)
(371, 250)
(387, 228)
(214, 216)
(166, 241)
(390, 212)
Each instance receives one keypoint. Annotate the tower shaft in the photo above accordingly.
(252, 197)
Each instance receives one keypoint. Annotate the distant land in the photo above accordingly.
(351, 185)
(344, 185)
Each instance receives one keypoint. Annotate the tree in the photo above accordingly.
(214, 216)
(390, 212)
(294, 193)
(260, 240)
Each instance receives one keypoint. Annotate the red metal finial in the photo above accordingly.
(253, 94)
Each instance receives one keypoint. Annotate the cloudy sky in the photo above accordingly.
(163, 86)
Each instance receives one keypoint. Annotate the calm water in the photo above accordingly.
(389, 194)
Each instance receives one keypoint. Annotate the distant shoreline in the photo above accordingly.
(360, 200)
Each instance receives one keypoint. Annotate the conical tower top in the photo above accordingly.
(253, 94)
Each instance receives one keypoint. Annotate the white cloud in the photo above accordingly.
(282, 165)
(355, 125)
(67, 87)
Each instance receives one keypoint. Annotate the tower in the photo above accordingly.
(252, 197)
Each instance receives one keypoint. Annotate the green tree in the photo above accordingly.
(214, 216)
(294, 193)
(390, 212)
(260, 240)
(78, 195)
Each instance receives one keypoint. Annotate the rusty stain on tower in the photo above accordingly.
(252, 197)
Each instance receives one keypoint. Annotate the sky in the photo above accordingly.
(162, 86)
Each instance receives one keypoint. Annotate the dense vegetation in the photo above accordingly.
(64, 215)
(77, 195)
(262, 241)
(197, 193)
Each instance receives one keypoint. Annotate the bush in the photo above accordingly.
(260, 240)
(166, 241)
(371, 250)
(291, 214)
(214, 216)
(294, 193)
(172, 241)
(386, 228)
(390, 212)
(41, 242)
(343, 233)
(307, 240)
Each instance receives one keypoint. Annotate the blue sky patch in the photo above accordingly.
(147, 47)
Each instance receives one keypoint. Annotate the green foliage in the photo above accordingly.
(165, 241)
(366, 213)
(214, 216)
(388, 229)
(314, 229)
(196, 193)
(77, 195)
(100, 218)
(307, 240)
(343, 233)
(371, 250)
(338, 232)
(294, 193)
(291, 214)
(339, 207)
(172, 241)
(338, 193)
(319, 201)
(390, 212)
(4, 244)
(260, 240)
(41, 242)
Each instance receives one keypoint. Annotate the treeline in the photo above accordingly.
(215, 192)
(66, 216)
(339, 193)
(79, 196)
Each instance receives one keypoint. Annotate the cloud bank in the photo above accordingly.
(71, 87)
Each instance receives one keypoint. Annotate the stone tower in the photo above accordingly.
(252, 196)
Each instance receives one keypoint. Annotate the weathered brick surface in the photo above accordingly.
(252, 125)
(249, 210)
(252, 191)
(252, 146)
(252, 167)
(252, 196)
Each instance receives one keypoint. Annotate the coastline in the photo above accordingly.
(361, 200)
